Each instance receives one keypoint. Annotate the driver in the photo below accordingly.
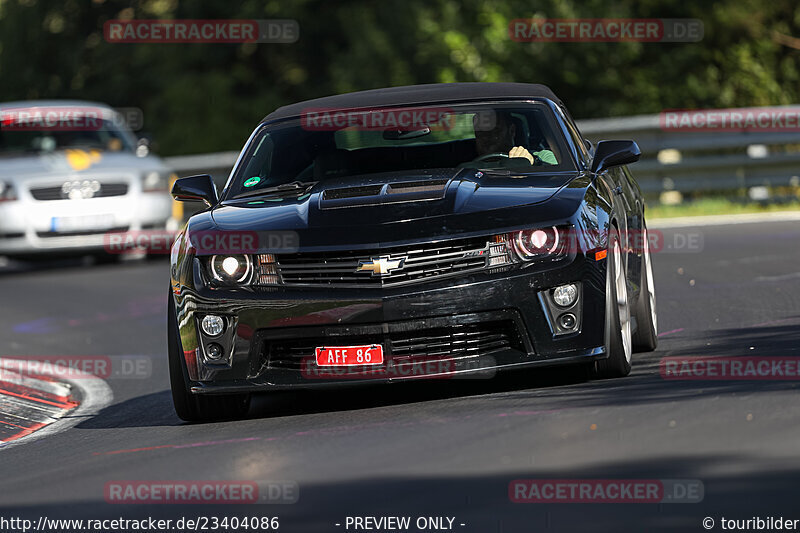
(500, 138)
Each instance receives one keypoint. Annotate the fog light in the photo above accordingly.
(567, 321)
(212, 325)
(214, 351)
(565, 295)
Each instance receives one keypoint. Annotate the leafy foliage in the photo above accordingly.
(208, 97)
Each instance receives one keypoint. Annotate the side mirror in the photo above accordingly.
(196, 188)
(609, 154)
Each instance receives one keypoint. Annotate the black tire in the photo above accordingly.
(618, 363)
(646, 337)
(195, 407)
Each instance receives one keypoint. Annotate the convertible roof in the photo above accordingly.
(418, 95)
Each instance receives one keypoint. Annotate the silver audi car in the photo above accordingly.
(71, 173)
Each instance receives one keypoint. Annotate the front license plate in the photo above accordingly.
(82, 223)
(349, 355)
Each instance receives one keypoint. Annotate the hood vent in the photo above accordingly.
(431, 188)
(365, 195)
(351, 192)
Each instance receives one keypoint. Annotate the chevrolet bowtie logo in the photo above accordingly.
(381, 266)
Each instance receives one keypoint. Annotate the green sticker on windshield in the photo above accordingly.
(252, 181)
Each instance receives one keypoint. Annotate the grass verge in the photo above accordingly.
(716, 206)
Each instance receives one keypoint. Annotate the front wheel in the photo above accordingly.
(618, 340)
(195, 407)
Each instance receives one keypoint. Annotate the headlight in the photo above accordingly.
(7, 192)
(540, 243)
(155, 182)
(231, 269)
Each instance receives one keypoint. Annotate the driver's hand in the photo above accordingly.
(520, 151)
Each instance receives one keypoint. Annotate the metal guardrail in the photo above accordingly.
(218, 165)
(709, 161)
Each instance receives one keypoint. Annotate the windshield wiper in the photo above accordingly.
(494, 171)
(497, 172)
(301, 187)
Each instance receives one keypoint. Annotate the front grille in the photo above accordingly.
(473, 339)
(402, 265)
(56, 193)
(403, 345)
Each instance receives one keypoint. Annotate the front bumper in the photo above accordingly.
(271, 333)
(30, 226)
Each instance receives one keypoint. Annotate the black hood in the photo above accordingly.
(378, 209)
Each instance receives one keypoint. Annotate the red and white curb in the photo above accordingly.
(34, 406)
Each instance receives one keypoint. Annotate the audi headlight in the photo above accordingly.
(156, 182)
(7, 192)
(231, 269)
(539, 243)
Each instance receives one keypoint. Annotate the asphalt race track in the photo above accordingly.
(436, 448)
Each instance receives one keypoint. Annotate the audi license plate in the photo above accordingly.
(82, 223)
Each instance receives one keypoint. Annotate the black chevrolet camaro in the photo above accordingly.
(425, 232)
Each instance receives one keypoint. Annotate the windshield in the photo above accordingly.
(102, 135)
(335, 144)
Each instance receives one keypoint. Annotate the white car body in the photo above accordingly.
(68, 200)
